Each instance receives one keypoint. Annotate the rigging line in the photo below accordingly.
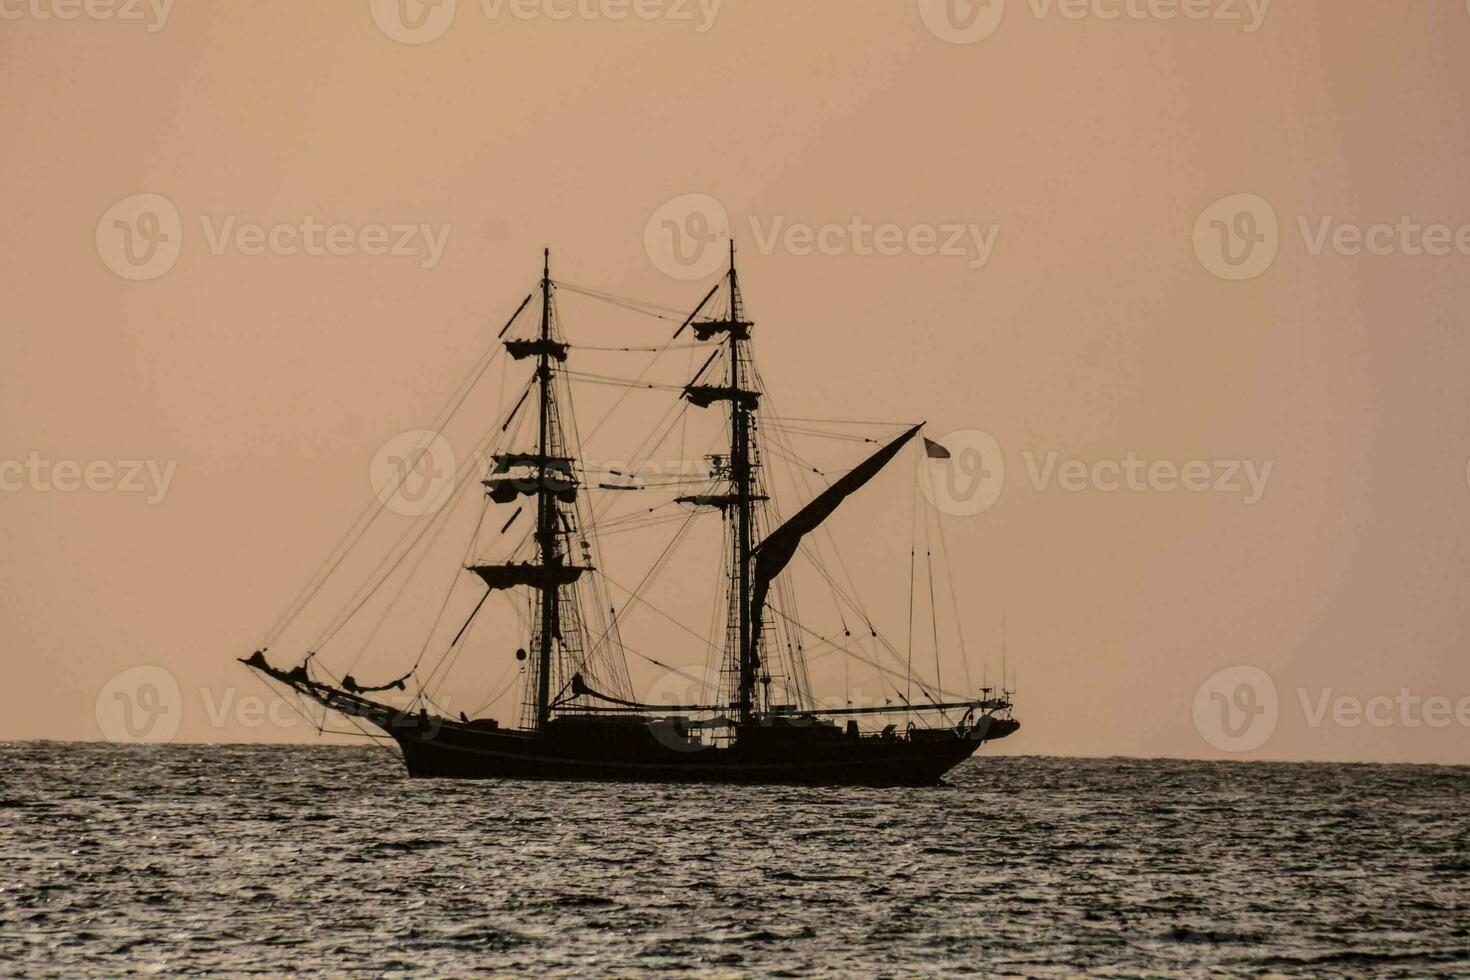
(715, 657)
(806, 465)
(652, 349)
(702, 682)
(515, 675)
(837, 590)
(954, 600)
(393, 602)
(640, 599)
(365, 594)
(832, 543)
(375, 507)
(819, 434)
(790, 418)
(665, 519)
(684, 419)
(672, 415)
(600, 597)
(618, 403)
(647, 577)
(473, 539)
(341, 620)
(588, 377)
(614, 523)
(450, 657)
(826, 528)
(933, 607)
(814, 555)
(321, 729)
(611, 297)
(875, 664)
(913, 547)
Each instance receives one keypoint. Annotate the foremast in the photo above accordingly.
(546, 473)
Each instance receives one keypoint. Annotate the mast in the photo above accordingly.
(545, 504)
(545, 472)
(740, 471)
(742, 625)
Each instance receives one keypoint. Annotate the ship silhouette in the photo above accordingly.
(761, 722)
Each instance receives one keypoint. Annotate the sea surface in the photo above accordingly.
(276, 860)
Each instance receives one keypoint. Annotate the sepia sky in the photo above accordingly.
(1191, 289)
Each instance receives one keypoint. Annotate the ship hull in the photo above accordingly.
(456, 752)
(785, 750)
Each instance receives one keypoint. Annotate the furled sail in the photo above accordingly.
(524, 573)
(774, 553)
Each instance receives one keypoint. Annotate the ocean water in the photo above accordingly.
(275, 860)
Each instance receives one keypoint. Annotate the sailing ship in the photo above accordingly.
(759, 721)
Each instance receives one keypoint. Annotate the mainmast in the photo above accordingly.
(742, 625)
(740, 471)
(546, 514)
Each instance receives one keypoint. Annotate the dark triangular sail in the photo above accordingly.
(774, 553)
